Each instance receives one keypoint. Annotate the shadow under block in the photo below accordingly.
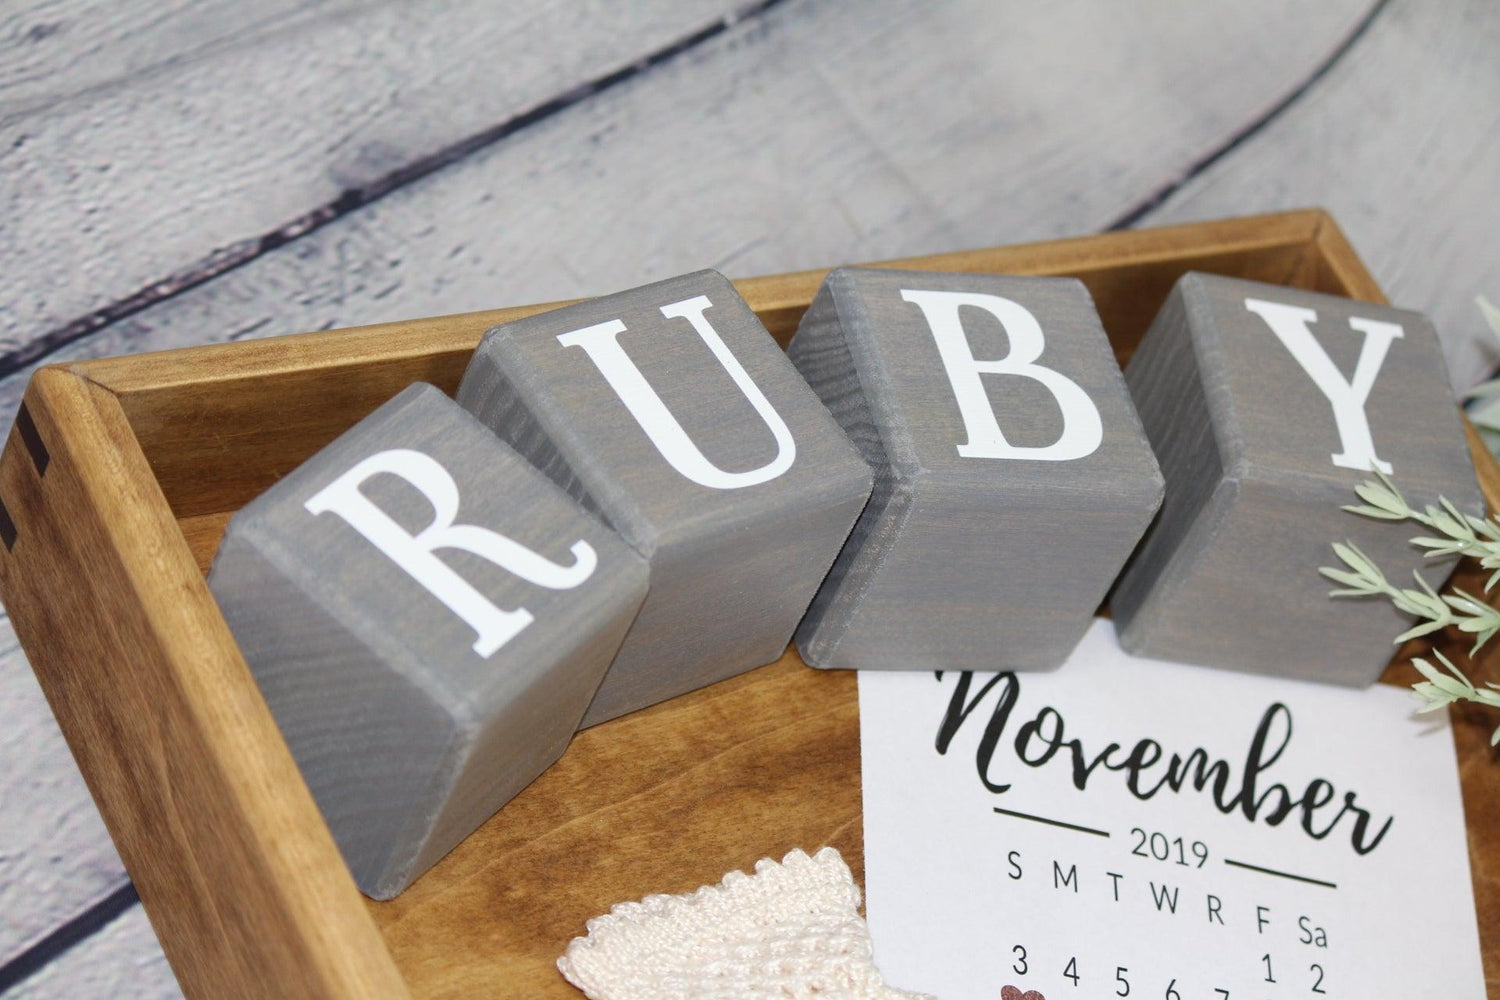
(1013, 478)
(427, 617)
(670, 412)
(1237, 383)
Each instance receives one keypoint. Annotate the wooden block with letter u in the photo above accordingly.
(1013, 475)
(427, 617)
(1267, 406)
(670, 412)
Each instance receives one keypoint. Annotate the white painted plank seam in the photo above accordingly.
(1147, 205)
(355, 198)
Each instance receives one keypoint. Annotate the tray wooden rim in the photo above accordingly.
(238, 873)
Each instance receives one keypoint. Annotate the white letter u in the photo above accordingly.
(656, 420)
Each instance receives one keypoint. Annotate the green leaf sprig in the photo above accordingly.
(1460, 535)
(1455, 534)
(1442, 689)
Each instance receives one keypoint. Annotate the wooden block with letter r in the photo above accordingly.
(1267, 406)
(428, 618)
(1013, 477)
(670, 412)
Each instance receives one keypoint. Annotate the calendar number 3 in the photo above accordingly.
(1021, 966)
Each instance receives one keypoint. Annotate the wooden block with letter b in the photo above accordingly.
(427, 617)
(670, 411)
(1267, 406)
(1013, 477)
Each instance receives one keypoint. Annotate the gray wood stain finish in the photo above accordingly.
(408, 732)
(737, 552)
(971, 561)
(1228, 576)
(900, 152)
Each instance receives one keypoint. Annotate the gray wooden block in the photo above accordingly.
(1267, 406)
(1012, 475)
(669, 411)
(427, 617)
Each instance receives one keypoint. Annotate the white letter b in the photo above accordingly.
(1083, 430)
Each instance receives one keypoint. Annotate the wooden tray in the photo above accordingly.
(119, 477)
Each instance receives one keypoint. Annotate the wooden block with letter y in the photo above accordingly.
(670, 412)
(1267, 406)
(427, 617)
(1013, 477)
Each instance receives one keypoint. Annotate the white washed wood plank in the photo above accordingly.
(121, 962)
(102, 68)
(1401, 142)
(136, 180)
(55, 857)
(52, 51)
(820, 133)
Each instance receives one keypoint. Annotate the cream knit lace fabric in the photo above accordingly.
(791, 931)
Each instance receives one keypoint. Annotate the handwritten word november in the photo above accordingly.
(1148, 770)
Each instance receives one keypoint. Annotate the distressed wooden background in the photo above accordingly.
(177, 172)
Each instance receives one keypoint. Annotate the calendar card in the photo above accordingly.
(1132, 828)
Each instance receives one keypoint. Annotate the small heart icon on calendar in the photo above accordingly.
(1012, 993)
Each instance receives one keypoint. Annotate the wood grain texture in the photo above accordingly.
(670, 412)
(809, 136)
(904, 361)
(1249, 443)
(193, 779)
(1404, 153)
(469, 901)
(748, 768)
(332, 284)
(231, 124)
(218, 447)
(411, 722)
